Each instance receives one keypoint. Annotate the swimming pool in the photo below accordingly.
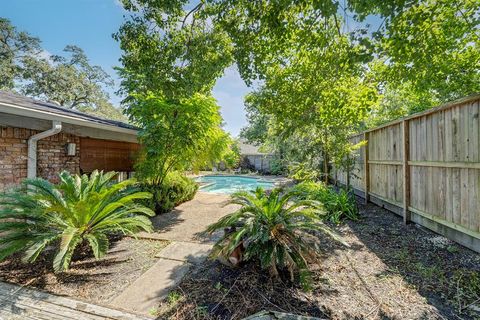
(231, 184)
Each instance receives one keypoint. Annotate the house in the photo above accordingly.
(251, 154)
(40, 139)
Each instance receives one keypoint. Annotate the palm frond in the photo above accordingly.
(78, 209)
(274, 227)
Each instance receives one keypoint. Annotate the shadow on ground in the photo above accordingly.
(214, 291)
(390, 271)
(418, 268)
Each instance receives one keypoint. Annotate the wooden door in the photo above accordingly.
(107, 155)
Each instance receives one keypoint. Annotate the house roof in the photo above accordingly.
(247, 149)
(37, 107)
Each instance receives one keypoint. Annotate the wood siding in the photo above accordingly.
(107, 155)
(438, 153)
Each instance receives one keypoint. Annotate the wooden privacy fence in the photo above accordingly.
(426, 167)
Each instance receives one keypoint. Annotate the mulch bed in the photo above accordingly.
(390, 271)
(95, 281)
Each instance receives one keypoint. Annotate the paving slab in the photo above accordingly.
(185, 228)
(146, 292)
(186, 251)
(188, 221)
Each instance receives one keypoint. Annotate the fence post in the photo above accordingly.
(406, 171)
(366, 168)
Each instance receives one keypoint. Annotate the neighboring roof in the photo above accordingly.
(37, 108)
(247, 149)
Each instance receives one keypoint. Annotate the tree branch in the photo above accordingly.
(195, 9)
(337, 25)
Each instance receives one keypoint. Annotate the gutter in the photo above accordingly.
(28, 112)
(32, 147)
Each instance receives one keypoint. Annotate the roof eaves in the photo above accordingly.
(45, 115)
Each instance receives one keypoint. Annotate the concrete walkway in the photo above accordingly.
(184, 227)
(188, 221)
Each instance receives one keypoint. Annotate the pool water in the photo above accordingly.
(231, 184)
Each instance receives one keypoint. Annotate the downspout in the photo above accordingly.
(32, 147)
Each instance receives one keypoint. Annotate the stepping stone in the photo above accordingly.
(145, 293)
(273, 315)
(186, 251)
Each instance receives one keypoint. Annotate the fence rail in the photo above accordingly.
(426, 167)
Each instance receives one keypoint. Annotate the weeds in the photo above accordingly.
(338, 205)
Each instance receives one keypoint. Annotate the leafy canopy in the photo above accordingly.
(70, 80)
(176, 135)
(79, 209)
(15, 46)
(321, 71)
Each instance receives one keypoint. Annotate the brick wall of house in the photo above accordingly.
(51, 158)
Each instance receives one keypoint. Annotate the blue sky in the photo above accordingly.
(89, 24)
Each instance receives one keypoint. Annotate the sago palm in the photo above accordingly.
(78, 209)
(274, 230)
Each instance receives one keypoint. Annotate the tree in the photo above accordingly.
(318, 79)
(318, 98)
(15, 46)
(256, 131)
(232, 155)
(169, 69)
(176, 135)
(428, 54)
(171, 52)
(71, 82)
(431, 44)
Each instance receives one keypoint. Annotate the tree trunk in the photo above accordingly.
(349, 168)
(325, 167)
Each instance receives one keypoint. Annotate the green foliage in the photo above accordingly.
(302, 172)
(15, 46)
(79, 209)
(274, 230)
(78, 84)
(232, 155)
(321, 71)
(176, 135)
(170, 50)
(256, 132)
(434, 46)
(71, 82)
(277, 166)
(467, 285)
(313, 104)
(339, 205)
(175, 189)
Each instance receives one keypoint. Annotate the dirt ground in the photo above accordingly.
(95, 281)
(390, 271)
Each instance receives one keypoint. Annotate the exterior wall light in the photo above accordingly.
(71, 149)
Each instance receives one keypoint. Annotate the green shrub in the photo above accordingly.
(273, 230)
(302, 172)
(175, 189)
(339, 205)
(80, 209)
(277, 167)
